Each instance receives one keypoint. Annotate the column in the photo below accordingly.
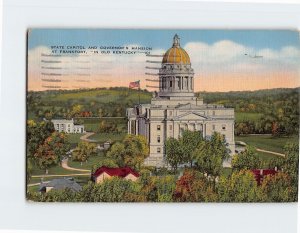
(129, 127)
(136, 127)
(182, 83)
(204, 130)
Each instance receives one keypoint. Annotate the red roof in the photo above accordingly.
(120, 172)
(260, 173)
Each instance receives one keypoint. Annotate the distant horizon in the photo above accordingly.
(150, 91)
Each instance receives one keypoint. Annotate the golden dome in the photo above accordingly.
(176, 54)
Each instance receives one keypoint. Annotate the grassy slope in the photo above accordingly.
(99, 95)
(86, 165)
(247, 116)
(267, 142)
(104, 137)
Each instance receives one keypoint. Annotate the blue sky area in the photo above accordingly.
(160, 39)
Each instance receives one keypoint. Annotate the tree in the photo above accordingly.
(107, 162)
(117, 151)
(52, 150)
(291, 163)
(209, 155)
(136, 150)
(174, 152)
(64, 195)
(246, 160)
(111, 190)
(278, 188)
(76, 109)
(131, 152)
(241, 186)
(194, 187)
(36, 135)
(83, 151)
(290, 166)
(189, 141)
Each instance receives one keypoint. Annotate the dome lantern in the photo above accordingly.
(176, 41)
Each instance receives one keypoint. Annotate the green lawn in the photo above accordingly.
(93, 124)
(103, 96)
(74, 138)
(87, 165)
(266, 142)
(247, 116)
(103, 137)
(56, 170)
(266, 156)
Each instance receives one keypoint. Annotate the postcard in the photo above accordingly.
(144, 115)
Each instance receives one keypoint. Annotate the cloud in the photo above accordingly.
(228, 56)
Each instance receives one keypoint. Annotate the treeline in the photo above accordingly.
(97, 102)
(279, 109)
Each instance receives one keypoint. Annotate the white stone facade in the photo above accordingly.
(175, 108)
(67, 126)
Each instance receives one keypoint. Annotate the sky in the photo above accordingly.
(223, 60)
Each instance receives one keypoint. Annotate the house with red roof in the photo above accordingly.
(107, 172)
(259, 174)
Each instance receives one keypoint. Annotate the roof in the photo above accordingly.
(120, 172)
(62, 183)
(62, 121)
(260, 173)
(176, 54)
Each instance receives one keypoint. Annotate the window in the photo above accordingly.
(213, 127)
(170, 83)
(170, 127)
(223, 127)
(158, 139)
(170, 113)
(158, 127)
(158, 149)
(214, 113)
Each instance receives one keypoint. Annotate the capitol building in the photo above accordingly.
(175, 108)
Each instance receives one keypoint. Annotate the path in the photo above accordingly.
(65, 175)
(261, 150)
(64, 164)
(86, 136)
(270, 152)
(35, 184)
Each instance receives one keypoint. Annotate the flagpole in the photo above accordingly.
(139, 93)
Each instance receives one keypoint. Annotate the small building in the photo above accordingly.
(259, 174)
(106, 172)
(60, 184)
(106, 145)
(67, 126)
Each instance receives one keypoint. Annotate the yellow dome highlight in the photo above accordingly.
(176, 54)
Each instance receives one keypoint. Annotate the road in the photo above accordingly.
(64, 164)
(86, 136)
(270, 152)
